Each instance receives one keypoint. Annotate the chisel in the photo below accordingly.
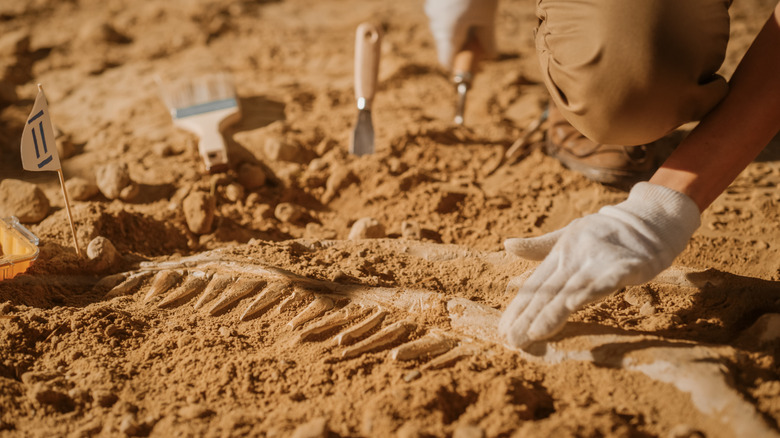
(367, 41)
(463, 67)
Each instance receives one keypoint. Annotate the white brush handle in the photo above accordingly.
(367, 41)
(207, 127)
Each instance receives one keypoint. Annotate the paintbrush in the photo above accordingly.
(367, 41)
(204, 105)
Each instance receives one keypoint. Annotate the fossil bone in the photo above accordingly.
(218, 283)
(196, 281)
(315, 309)
(272, 293)
(356, 332)
(428, 346)
(379, 340)
(235, 293)
(335, 320)
(161, 282)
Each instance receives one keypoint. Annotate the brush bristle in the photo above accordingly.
(187, 92)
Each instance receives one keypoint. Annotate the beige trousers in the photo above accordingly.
(630, 71)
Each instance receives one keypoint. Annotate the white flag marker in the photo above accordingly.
(39, 149)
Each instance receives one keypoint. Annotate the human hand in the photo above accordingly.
(451, 20)
(625, 244)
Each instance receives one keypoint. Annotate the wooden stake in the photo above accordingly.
(67, 208)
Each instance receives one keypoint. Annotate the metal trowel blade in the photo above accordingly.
(362, 141)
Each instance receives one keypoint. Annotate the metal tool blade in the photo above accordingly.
(362, 140)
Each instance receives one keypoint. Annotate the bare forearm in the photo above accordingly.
(733, 133)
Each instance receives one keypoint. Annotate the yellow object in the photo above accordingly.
(18, 247)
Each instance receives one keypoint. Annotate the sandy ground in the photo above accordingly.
(84, 352)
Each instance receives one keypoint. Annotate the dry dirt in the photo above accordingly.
(685, 355)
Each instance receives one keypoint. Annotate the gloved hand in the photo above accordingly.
(450, 21)
(625, 244)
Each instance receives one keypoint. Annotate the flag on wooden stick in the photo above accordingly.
(39, 149)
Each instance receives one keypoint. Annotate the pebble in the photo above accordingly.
(130, 192)
(199, 211)
(226, 332)
(412, 375)
(194, 411)
(251, 176)
(103, 254)
(411, 230)
(24, 200)
(112, 178)
(366, 228)
(80, 189)
(468, 431)
(647, 309)
(288, 213)
(316, 428)
(280, 150)
(339, 179)
(234, 192)
(129, 426)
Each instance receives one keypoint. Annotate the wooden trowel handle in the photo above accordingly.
(465, 61)
(367, 41)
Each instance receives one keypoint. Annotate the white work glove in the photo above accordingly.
(625, 244)
(450, 21)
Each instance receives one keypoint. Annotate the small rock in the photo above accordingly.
(199, 211)
(468, 431)
(129, 426)
(225, 332)
(130, 192)
(253, 199)
(103, 253)
(234, 192)
(647, 309)
(316, 428)
(24, 200)
(80, 189)
(409, 430)
(194, 411)
(104, 399)
(65, 146)
(340, 178)
(251, 176)
(411, 230)
(366, 228)
(280, 150)
(111, 330)
(111, 178)
(637, 296)
(288, 213)
(412, 375)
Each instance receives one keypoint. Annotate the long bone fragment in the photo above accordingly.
(315, 309)
(196, 281)
(335, 320)
(271, 295)
(218, 283)
(356, 332)
(380, 340)
(161, 282)
(235, 293)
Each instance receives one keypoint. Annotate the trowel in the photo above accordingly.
(463, 68)
(367, 41)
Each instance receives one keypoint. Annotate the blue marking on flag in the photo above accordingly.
(35, 141)
(40, 113)
(43, 139)
(46, 161)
